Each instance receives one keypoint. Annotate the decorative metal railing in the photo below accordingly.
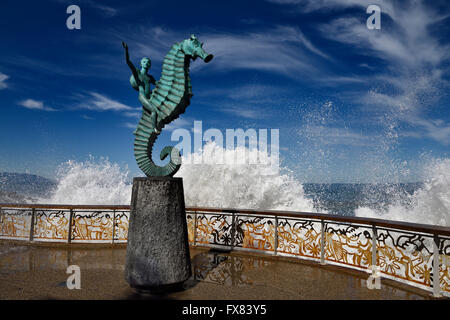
(415, 254)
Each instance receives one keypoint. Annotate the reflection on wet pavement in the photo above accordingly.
(39, 272)
(221, 268)
(30, 258)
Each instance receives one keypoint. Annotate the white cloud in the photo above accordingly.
(314, 5)
(250, 101)
(130, 125)
(338, 80)
(408, 80)
(245, 92)
(3, 78)
(250, 92)
(283, 49)
(99, 102)
(336, 136)
(152, 42)
(35, 105)
(178, 124)
(85, 117)
(133, 114)
(104, 9)
(412, 93)
(397, 45)
(411, 51)
(436, 129)
(244, 111)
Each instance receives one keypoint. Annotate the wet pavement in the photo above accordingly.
(39, 272)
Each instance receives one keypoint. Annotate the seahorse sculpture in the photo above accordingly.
(166, 103)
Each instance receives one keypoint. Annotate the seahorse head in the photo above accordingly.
(194, 48)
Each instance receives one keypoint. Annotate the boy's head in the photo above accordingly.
(146, 63)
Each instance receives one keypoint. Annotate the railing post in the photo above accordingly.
(275, 249)
(114, 226)
(1, 221)
(322, 242)
(374, 246)
(436, 267)
(195, 228)
(69, 238)
(233, 230)
(33, 212)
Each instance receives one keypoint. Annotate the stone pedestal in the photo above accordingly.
(158, 249)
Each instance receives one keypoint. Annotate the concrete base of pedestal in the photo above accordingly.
(158, 249)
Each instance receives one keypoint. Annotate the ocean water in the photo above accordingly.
(228, 185)
(346, 198)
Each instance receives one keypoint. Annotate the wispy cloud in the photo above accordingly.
(409, 93)
(411, 51)
(252, 91)
(436, 129)
(85, 117)
(249, 101)
(326, 5)
(338, 80)
(130, 125)
(409, 79)
(152, 42)
(132, 114)
(401, 46)
(40, 66)
(98, 102)
(336, 136)
(243, 111)
(179, 123)
(283, 49)
(3, 78)
(35, 105)
(104, 9)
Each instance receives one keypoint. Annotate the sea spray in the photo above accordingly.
(256, 187)
(430, 204)
(90, 182)
(226, 185)
(233, 185)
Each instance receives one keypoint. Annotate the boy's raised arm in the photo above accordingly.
(130, 64)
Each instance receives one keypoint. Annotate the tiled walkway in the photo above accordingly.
(39, 272)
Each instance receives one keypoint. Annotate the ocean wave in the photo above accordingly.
(430, 204)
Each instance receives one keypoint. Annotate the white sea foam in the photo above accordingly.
(429, 204)
(232, 185)
(252, 186)
(90, 182)
(229, 184)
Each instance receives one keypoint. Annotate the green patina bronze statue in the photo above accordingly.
(164, 104)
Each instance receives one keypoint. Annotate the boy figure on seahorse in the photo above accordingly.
(141, 81)
(165, 103)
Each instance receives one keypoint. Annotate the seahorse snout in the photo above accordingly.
(206, 57)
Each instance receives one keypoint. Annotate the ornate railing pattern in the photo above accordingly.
(15, 223)
(64, 223)
(405, 252)
(51, 225)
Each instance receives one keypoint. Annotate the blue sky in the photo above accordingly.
(352, 104)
